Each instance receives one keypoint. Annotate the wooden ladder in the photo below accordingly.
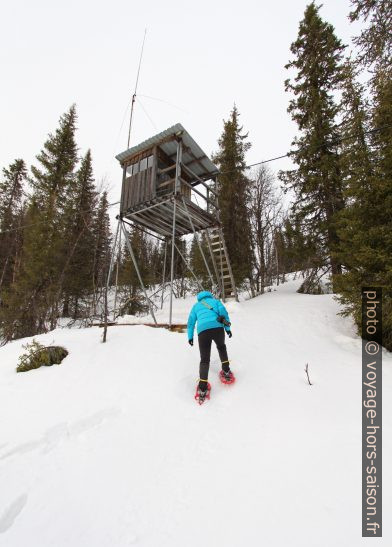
(221, 264)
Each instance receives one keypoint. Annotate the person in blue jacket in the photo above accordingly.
(212, 322)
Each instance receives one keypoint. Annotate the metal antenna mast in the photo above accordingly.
(136, 84)
(127, 241)
(120, 225)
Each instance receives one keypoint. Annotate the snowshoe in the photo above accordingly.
(226, 377)
(201, 396)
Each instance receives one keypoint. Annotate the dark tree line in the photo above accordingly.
(340, 219)
(54, 237)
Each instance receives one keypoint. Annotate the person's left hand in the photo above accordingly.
(229, 333)
(190, 342)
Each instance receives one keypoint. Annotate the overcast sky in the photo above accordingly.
(200, 57)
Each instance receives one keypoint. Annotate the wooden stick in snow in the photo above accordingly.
(307, 373)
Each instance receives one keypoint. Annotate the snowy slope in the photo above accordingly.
(110, 449)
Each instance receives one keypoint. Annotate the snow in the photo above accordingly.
(109, 449)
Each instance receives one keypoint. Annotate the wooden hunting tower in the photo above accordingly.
(169, 188)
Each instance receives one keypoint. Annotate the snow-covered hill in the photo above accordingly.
(109, 449)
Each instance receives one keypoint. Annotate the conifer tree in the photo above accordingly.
(356, 168)
(355, 107)
(365, 228)
(57, 160)
(78, 241)
(32, 304)
(156, 258)
(101, 248)
(375, 40)
(11, 218)
(180, 269)
(317, 180)
(233, 188)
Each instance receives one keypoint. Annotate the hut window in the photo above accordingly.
(129, 170)
(150, 161)
(143, 164)
(135, 168)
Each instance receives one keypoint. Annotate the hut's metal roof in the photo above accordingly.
(203, 167)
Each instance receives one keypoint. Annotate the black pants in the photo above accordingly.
(205, 340)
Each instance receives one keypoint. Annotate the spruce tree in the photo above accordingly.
(375, 40)
(369, 261)
(233, 188)
(11, 219)
(32, 304)
(357, 171)
(101, 248)
(78, 241)
(294, 249)
(57, 161)
(365, 228)
(317, 180)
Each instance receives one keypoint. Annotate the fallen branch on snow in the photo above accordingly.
(307, 373)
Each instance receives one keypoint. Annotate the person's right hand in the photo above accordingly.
(229, 333)
(190, 342)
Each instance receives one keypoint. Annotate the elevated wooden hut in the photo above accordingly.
(167, 169)
(169, 189)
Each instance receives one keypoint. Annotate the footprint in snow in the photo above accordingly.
(8, 517)
(61, 431)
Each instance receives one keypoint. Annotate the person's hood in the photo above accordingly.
(204, 294)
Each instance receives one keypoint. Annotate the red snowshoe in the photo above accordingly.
(226, 377)
(201, 396)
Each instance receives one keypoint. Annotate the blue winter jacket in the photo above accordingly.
(206, 319)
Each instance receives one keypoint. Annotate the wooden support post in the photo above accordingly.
(123, 205)
(198, 179)
(154, 171)
(108, 283)
(193, 189)
(117, 268)
(177, 185)
(164, 274)
(177, 188)
(172, 263)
